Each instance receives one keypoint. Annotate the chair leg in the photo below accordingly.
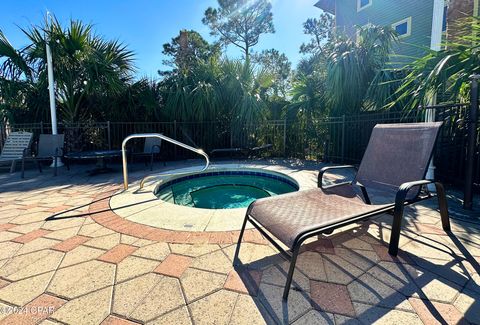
(396, 227)
(151, 162)
(55, 167)
(443, 206)
(23, 167)
(237, 249)
(39, 165)
(291, 271)
(12, 167)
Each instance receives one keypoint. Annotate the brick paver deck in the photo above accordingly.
(65, 257)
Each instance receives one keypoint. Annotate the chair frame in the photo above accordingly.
(27, 155)
(396, 208)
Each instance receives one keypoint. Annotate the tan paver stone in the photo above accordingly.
(94, 230)
(178, 316)
(26, 228)
(354, 243)
(193, 250)
(369, 290)
(311, 264)
(316, 317)
(339, 270)
(37, 245)
(7, 235)
(5, 310)
(63, 234)
(216, 261)
(255, 256)
(429, 247)
(117, 253)
(157, 251)
(92, 308)
(77, 280)
(331, 297)
(128, 295)
(444, 313)
(144, 242)
(243, 281)
(216, 308)
(70, 244)
(297, 305)
(50, 322)
(341, 320)
(248, 311)
(36, 311)
(24, 266)
(369, 315)
(63, 223)
(23, 291)
(277, 275)
(432, 286)
(362, 259)
(32, 235)
(30, 217)
(114, 320)
(8, 249)
(396, 276)
(133, 266)
(128, 240)
(174, 265)
(197, 283)
(468, 302)
(383, 255)
(104, 242)
(321, 245)
(81, 254)
(158, 302)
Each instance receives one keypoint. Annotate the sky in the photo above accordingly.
(145, 25)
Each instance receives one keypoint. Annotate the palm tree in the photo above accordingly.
(445, 72)
(353, 64)
(84, 65)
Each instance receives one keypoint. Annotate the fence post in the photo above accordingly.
(175, 137)
(109, 136)
(343, 138)
(471, 143)
(41, 127)
(285, 138)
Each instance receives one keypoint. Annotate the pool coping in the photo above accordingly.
(142, 205)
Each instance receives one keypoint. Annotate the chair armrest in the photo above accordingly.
(329, 168)
(405, 187)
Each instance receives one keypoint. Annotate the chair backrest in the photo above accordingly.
(48, 143)
(150, 143)
(397, 153)
(15, 144)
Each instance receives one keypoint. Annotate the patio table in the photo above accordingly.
(100, 155)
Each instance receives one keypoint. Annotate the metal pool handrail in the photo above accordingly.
(161, 136)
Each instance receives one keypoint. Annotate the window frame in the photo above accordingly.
(360, 7)
(407, 20)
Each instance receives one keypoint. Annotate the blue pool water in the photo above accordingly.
(224, 190)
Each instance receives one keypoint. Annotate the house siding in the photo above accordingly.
(387, 12)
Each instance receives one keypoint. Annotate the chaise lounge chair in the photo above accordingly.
(391, 175)
(14, 148)
(48, 147)
(151, 147)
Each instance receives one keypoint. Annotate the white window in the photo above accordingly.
(362, 4)
(403, 27)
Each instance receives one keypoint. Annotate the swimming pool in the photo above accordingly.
(226, 189)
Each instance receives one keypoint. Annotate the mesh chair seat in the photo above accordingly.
(289, 215)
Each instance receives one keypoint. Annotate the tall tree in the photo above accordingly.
(188, 49)
(240, 22)
(276, 64)
(320, 31)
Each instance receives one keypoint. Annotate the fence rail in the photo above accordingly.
(336, 139)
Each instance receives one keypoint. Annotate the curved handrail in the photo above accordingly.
(163, 137)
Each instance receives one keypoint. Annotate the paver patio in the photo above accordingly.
(62, 247)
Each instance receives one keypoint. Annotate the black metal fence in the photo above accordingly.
(336, 139)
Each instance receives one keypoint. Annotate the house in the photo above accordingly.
(420, 24)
